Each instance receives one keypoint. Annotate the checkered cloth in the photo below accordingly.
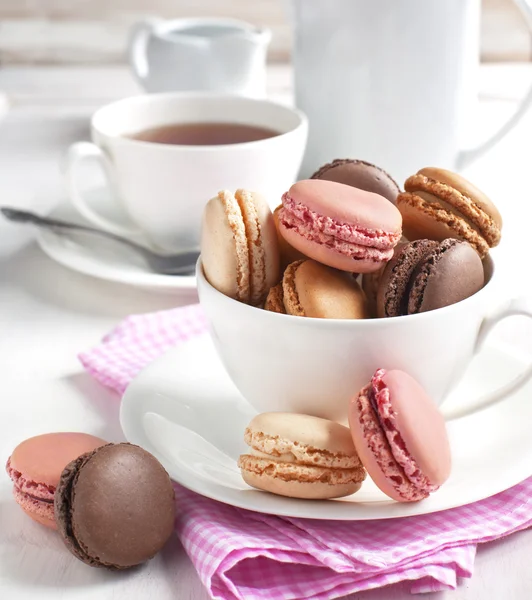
(247, 555)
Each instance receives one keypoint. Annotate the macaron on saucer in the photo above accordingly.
(175, 406)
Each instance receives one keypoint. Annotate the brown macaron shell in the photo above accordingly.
(451, 273)
(360, 174)
(425, 275)
(115, 506)
(438, 204)
(392, 294)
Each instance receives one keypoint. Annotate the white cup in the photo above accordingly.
(163, 188)
(392, 82)
(315, 366)
(217, 55)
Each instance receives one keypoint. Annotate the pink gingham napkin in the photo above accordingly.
(247, 555)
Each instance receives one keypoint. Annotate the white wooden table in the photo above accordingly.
(48, 314)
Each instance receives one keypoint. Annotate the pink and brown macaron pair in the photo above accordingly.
(340, 226)
(239, 248)
(113, 504)
(395, 432)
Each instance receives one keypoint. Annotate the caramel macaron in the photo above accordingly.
(438, 204)
(310, 289)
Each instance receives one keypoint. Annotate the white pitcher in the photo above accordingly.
(218, 55)
(392, 82)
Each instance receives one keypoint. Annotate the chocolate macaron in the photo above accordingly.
(360, 174)
(424, 275)
(114, 507)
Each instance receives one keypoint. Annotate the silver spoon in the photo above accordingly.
(169, 264)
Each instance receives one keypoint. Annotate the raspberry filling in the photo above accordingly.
(343, 237)
(379, 397)
(36, 491)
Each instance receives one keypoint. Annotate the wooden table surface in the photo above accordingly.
(48, 314)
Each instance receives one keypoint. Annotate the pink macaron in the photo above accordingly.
(400, 436)
(35, 467)
(340, 226)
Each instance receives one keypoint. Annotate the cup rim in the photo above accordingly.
(341, 323)
(302, 121)
(166, 26)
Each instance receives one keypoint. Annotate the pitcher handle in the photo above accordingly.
(138, 47)
(466, 157)
(517, 306)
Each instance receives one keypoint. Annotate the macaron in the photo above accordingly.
(439, 204)
(35, 467)
(425, 275)
(288, 254)
(400, 436)
(300, 456)
(360, 174)
(115, 507)
(310, 289)
(274, 300)
(370, 286)
(340, 226)
(239, 249)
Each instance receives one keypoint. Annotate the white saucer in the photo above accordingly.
(184, 409)
(101, 258)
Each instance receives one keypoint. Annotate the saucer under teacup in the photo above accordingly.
(176, 407)
(105, 259)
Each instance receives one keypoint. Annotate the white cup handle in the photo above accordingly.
(466, 157)
(82, 151)
(138, 47)
(518, 306)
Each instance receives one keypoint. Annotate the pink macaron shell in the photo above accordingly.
(421, 426)
(375, 454)
(36, 464)
(371, 259)
(347, 204)
(39, 511)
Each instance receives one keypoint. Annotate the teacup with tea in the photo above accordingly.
(163, 154)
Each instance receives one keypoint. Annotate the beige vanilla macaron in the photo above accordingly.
(310, 289)
(239, 248)
(300, 456)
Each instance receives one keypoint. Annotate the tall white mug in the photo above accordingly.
(390, 82)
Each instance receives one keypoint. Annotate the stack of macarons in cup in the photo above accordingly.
(348, 243)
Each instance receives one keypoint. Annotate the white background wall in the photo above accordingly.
(94, 31)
